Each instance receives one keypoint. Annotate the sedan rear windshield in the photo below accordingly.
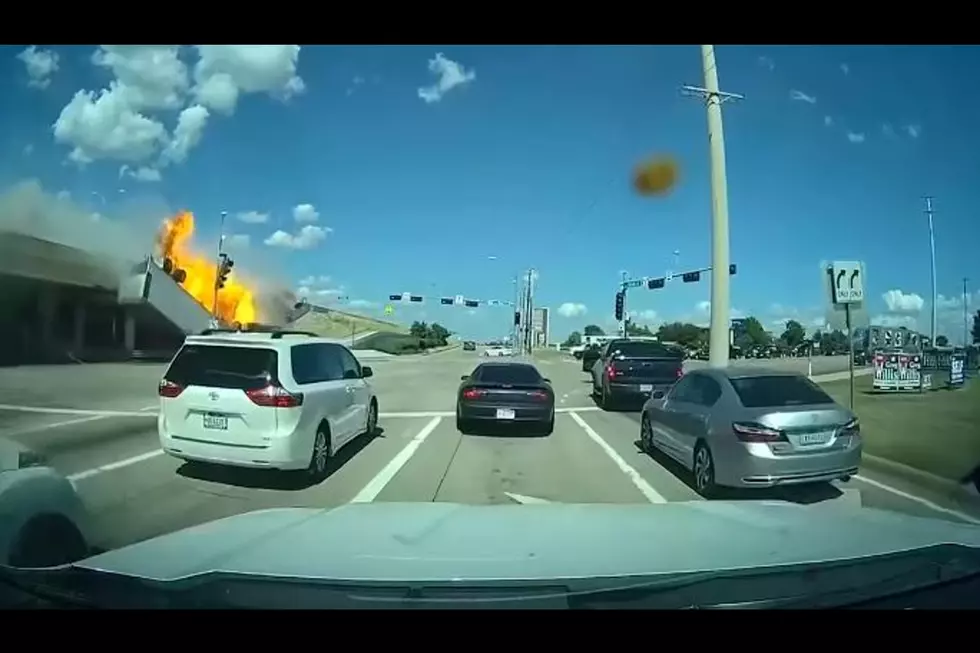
(645, 350)
(507, 374)
(240, 368)
(779, 391)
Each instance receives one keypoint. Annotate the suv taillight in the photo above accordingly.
(273, 396)
(610, 371)
(169, 389)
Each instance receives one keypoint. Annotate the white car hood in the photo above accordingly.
(443, 541)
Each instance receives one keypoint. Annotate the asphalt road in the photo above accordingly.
(97, 425)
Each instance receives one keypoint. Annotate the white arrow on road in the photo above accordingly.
(525, 500)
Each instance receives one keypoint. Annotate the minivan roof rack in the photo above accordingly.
(276, 335)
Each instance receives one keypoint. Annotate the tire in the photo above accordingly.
(646, 435)
(704, 471)
(605, 399)
(48, 541)
(321, 454)
(371, 425)
(462, 425)
(548, 427)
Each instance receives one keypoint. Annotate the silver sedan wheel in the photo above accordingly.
(704, 470)
(646, 434)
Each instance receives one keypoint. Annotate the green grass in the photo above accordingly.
(340, 324)
(399, 344)
(937, 431)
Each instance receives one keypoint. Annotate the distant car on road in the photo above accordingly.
(752, 428)
(469, 345)
(633, 369)
(286, 400)
(505, 393)
(43, 522)
(498, 350)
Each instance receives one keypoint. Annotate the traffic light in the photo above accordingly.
(394, 298)
(654, 284)
(691, 277)
(415, 298)
(446, 301)
(224, 269)
(470, 303)
(620, 301)
(517, 318)
(732, 269)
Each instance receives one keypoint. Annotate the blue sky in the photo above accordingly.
(522, 159)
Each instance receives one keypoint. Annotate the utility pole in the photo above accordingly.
(966, 314)
(720, 282)
(932, 260)
(514, 325)
(529, 330)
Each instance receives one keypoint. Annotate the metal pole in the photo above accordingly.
(720, 280)
(623, 276)
(850, 357)
(530, 310)
(932, 259)
(966, 315)
(221, 247)
(514, 326)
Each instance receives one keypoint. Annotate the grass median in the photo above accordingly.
(936, 431)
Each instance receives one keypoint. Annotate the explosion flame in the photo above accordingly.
(236, 302)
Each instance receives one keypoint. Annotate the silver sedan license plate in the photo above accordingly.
(814, 438)
(216, 422)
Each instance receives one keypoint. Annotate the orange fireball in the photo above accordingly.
(656, 177)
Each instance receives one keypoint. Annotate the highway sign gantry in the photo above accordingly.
(847, 282)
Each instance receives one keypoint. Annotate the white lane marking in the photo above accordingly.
(57, 425)
(109, 467)
(919, 500)
(523, 499)
(374, 487)
(634, 476)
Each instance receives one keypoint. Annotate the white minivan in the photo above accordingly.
(285, 400)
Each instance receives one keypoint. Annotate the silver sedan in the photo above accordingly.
(752, 428)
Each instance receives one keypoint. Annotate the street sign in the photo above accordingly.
(389, 309)
(635, 283)
(836, 312)
(848, 282)
(459, 300)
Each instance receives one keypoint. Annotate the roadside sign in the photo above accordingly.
(957, 366)
(389, 309)
(847, 278)
(837, 312)
(459, 300)
(898, 372)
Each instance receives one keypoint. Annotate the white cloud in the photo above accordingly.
(913, 130)
(123, 121)
(572, 309)
(307, 238)
(142, 173)
(846, 69)
(888, 131)
(855, 137)
(828, 121)
(800, 96)
(237, 241)
(40, 64)
(305, 213)
(225, 72)
(767, 63)
(362, 303)
(451, 74)
(314, 280)
(899, 302)
(253, 217)
(28, 149)
(647, 316)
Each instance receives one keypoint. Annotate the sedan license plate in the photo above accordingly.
(646, 387)
(216, 422)
(505, 413)
(814, 438)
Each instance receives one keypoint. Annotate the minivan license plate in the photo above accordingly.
(505, 413)
(216, 422)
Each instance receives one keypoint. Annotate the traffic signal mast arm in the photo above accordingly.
(654, 283)
(458, 300)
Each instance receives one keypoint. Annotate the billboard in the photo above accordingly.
(898, 371)
(540, 327)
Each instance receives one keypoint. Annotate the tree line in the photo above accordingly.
(430, 335)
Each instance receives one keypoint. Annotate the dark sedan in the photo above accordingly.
(469, 345)
(505, 393)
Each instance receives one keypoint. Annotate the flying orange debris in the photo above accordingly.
(657, 176)
(236, 303)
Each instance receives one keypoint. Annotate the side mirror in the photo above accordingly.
(659, 394)
(464, 377)
(366, 372)
(546, 380)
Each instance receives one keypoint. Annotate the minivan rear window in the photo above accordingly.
(240, 368)
(779, 391)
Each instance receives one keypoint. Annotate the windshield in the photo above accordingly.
(704, 283)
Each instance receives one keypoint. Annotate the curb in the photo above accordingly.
(929, 480)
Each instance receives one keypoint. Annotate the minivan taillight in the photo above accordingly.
(169, 389)
(750, 432)
(272, 396)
